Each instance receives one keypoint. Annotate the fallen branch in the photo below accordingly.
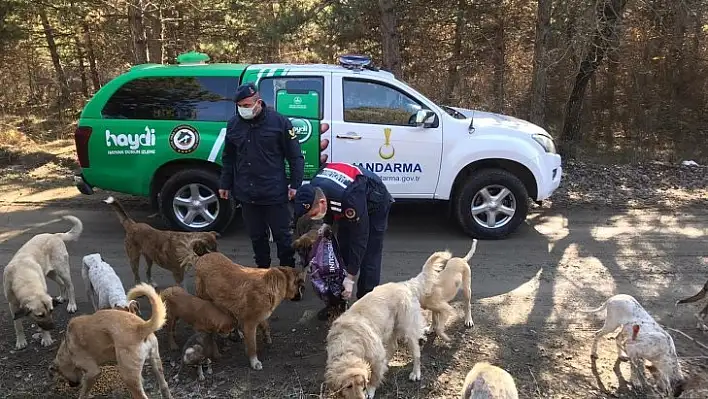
(689, 338)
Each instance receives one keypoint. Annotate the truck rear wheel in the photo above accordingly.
(491, 204)
(189, 201)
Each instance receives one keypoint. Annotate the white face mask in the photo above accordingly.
(247, 113)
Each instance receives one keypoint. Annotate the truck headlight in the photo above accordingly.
(545, 142)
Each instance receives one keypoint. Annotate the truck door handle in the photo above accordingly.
(349, 136)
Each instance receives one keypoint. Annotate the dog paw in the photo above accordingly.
(21, 343)
(71, 307)
(593, 356)
(370, 392)
(469, 323)
(47, 340)
(427, 330)
(256, 364)
(414, 375)
(59, 299)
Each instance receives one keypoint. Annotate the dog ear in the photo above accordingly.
(302, 242)
(22, 312)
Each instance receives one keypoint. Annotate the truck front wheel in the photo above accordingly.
(189, 201)
(491, 204)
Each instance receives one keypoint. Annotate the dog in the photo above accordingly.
(25, 286)
(103, 286)
(361, 341)
(701, 316)
(653, 344)
(158, 246)
(200, 314)
(113, 336)
(456, 274)
(199, 350)
(486, 381)
(249, 295)
(307, 232)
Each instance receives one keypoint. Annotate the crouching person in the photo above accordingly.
(358, 201)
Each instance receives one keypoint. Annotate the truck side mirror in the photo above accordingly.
(424, 118)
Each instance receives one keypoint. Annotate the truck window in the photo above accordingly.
(371, 102)
(268, 88)
(184, 98)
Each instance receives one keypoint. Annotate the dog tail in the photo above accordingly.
(76, 230)
(123, 217)
(700, 295)
(187, 253)
(159, 312)
(599, 309)
(471, 252)
(432, 268)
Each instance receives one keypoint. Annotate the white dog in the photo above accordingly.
(364, 338)
(44, 255)
(485, 381)
(103, 286)
(649, 341)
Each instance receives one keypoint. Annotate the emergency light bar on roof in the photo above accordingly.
(356, 62)
(192, 58)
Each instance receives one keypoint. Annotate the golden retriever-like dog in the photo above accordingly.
(24, 281)
(363, 339)
(112, 335)
(249, 295)
(159, 246)
(200, 314)
(456, 274)
(485, 381)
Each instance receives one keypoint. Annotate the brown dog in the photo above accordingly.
(200, 314)
(159, 246)
(250, 295)
(113, 336)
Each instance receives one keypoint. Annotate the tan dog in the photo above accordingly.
(25, 286)
(250, 295)
(485, 381)
(455, 275)
(113, 336)
(200, 314)
(158, 246)
(361, 341)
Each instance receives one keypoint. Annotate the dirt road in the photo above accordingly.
(525, 293)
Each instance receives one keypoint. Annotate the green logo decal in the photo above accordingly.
(303, 129)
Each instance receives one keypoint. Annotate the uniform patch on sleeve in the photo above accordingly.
(350, 213)
(306, 206)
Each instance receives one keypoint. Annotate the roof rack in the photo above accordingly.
(356, 62)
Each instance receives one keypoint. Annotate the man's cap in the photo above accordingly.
(303, 200)
(244, 91)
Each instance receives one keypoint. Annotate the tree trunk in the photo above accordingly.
(389, 38)
(82, 66)
(136, 19)
(453, 68)
(91, 57)
(157, 36)
(609, 105)
(537, 107)
(54, 53)
(609, 14)
(500, 63)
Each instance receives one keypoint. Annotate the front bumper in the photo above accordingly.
(82, 185)
(551, 173)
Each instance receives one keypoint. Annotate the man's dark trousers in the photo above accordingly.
(257, 219)
(370, 269)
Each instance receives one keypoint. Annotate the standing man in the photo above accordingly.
(258, 141)
(360, 201)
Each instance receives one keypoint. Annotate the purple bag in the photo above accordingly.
(327, 270)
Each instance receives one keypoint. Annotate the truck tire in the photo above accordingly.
(491, 195)
(189, 201)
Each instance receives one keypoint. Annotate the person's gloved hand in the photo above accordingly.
(348, 286)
